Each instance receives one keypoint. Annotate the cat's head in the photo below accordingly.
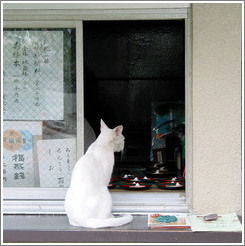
(114, 135)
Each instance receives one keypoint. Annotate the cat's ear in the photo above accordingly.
(118, 130)
(102, 125)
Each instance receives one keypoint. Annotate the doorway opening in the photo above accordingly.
(134, 75)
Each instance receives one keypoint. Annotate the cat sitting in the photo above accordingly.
(88, 202)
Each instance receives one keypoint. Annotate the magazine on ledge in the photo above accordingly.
(168, 221)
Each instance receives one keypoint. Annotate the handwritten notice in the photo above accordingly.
(18, 156)
(56, 158)
(33, 75)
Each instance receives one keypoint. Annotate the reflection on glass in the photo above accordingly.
(168, 133)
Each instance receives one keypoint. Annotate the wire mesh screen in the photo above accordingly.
(33, 75)
(39, 107)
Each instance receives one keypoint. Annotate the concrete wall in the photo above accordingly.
(216, 108)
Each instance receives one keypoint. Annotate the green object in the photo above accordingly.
(165, 218)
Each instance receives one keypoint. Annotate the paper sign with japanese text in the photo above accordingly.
(18, 153)
(56, 158)
(33, 75)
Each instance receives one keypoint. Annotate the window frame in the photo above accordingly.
(26, 200)
(45, 193)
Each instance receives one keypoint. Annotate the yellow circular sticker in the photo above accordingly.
(12, 140)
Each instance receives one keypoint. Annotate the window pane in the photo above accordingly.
(39, 107)
(135, 76)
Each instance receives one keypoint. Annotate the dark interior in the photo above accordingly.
(129, 65)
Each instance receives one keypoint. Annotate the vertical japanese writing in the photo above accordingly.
(25, 67)
(56, 160)
(37, 69)
(21, 59)
(51, 167)
(33, 75)
(37, 93)
(37, 57)
(20, 65)
(17, 65)
(60, 179)
(46, 50)
(68, 160)
(18, 166)
(4, 170)
(16, 53)
(18, 158)
(24, 62)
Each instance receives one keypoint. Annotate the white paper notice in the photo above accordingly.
(56, 159)
(33, 75)
(18, 158)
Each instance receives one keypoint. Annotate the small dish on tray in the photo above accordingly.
(127, 176)
(160, 173)
(163, 180)
(140, 179)
(136, 186)
(172, 185)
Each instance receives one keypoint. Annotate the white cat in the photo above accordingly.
(88, 202)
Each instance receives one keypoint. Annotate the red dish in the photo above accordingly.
(161, 174)
(127, 176)
(114, 179)
(136, 187)
(162, 180)
(136, 179)
(172, 185)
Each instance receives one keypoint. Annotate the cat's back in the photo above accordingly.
(85, 168)
(95, 149)
(86, 162)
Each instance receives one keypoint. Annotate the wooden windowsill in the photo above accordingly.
(56, 228)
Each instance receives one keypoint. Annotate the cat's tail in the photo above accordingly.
(109, 222)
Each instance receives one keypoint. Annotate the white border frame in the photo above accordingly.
(26, 200)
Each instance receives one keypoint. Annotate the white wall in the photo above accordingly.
(216, 108)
